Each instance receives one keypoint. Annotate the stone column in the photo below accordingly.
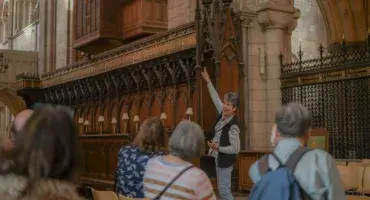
(2, 122)
(269, 37)
(25, 13)
(43, 23)
(246, 24)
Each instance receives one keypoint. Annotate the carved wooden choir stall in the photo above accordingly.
(113, 91)
(115, 87)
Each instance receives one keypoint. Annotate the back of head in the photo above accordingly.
(47, 146)
(187, 140)
(293, 120)
(151, 136)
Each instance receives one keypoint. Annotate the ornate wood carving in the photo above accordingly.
(123, 81)
(159, 45)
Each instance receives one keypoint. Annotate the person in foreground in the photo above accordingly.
(18, 124)
(43, 163)
(226, 142)
(132, 159)
(315, 170)
(173, 176)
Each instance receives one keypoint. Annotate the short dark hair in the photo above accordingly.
(293, 120)
(47, 147)
(233, 98)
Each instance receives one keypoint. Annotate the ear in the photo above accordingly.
(277, 134)
(234, 108)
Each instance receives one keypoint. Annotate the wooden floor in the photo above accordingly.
(241, 196)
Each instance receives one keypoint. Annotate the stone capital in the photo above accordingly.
(246, 19)
(270, 15)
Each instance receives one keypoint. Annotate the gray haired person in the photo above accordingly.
(186, 143)
(316, 170)
(226, 142)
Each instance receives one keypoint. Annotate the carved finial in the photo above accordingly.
(197, 11)
(300, 53)
(321, 50)
(281, 58)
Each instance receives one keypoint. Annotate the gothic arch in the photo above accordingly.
(9, 98)
(346, 18)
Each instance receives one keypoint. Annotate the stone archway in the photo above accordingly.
(12, 101)
(345, 18)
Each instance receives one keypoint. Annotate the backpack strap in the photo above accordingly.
(172, 181)
(296, 157)
(263, 165)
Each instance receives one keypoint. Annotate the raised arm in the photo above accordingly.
(212, 91)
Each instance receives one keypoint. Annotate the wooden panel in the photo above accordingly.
(246, 159)
(143, 17)
(319, 138)
(100, 155)
(96, 25)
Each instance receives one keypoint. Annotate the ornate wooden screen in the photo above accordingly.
(336, 90)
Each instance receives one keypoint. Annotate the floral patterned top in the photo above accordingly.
(130, 171)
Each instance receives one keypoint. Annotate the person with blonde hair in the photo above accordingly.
(132, 159)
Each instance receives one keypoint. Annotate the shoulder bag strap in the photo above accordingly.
(172, 181)
(292, 163)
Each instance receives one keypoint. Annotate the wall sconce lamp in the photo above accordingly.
(86, 124)
(125, 118)
(101, 121)
(137, 121)
(189, 113)
(163, 117)
(80, 124)
(114, 124)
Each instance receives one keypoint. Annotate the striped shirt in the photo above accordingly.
(193, 184)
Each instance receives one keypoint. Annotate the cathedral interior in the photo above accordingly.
(115, 63)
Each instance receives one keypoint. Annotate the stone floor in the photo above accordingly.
(239, 196)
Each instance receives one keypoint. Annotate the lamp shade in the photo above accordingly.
(86, 123)
(81, 120)
(114, 120)
(101, 118)
(189, 111)
(125, 116)
(136, 118)
(163, 116)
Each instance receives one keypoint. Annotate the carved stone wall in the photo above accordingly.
(311, 30)
(18, 62)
